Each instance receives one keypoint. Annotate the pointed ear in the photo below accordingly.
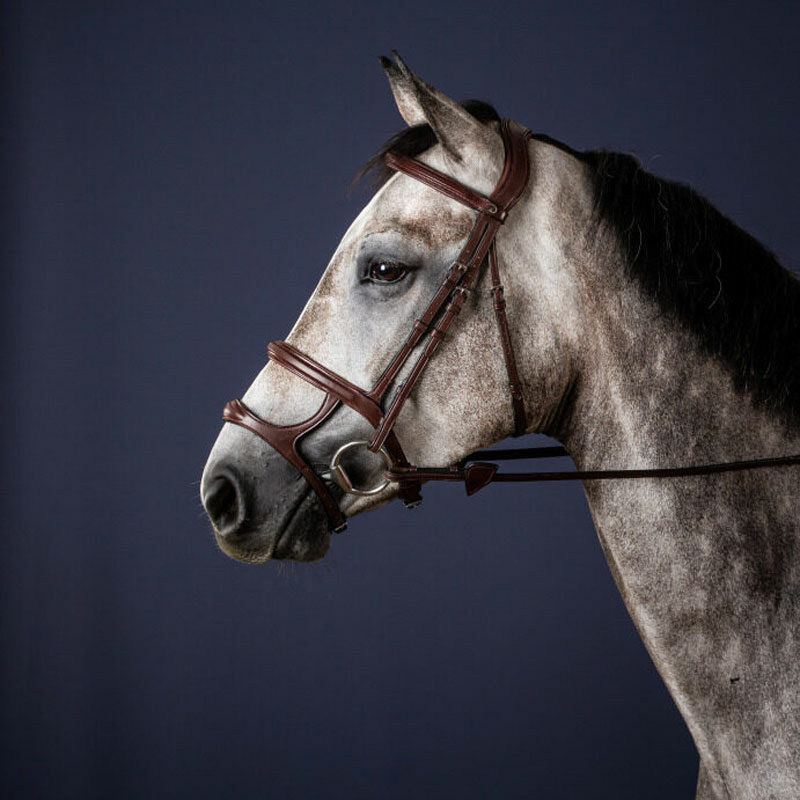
(404, 91)
(454, 127)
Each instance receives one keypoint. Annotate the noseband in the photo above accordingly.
(433, 325)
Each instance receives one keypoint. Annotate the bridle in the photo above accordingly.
(428, 332)
(432, 325)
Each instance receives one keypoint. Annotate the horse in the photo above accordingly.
(637, 325)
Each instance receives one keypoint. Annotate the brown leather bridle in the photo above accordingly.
(434, 323)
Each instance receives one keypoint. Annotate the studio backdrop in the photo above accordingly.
(175, 178)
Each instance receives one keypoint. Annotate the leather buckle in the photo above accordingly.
(457, 266)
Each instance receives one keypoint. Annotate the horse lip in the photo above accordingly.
(254, 550)
(282, 544)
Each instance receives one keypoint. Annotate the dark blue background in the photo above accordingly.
(175, 180)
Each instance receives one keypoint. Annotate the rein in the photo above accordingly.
(476, 471)
(427, 334)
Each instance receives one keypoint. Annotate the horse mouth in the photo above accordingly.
(305, 535)
(302, 535)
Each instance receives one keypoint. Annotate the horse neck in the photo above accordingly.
(707, 566)
(648, 393)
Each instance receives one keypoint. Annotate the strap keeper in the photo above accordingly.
(457, 267)
(498, 298)
(491, 210)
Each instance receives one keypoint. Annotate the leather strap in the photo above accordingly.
(444, 184)
(516, 170)
(477, 474)
(320, 376)
(340, 388)
(284, 439)
(514, 384)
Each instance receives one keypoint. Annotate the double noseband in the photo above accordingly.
(433, 325)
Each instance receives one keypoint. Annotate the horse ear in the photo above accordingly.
(418, 102)
(405, 93)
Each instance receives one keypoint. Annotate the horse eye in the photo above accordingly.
(387, 272)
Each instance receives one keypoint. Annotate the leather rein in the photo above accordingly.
(476, 470)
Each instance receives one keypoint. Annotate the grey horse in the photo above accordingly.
(649, 331)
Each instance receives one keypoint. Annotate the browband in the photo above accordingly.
(443, 184)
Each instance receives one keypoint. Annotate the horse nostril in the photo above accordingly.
(224, 505)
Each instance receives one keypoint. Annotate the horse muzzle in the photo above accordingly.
(260, 507)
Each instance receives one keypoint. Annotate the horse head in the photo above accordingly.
(394, 258)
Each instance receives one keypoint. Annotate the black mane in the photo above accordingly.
(699, 266)
(695, 263)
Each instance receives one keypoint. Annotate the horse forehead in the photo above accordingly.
(433, 228)
(403, 209)
(408, 208)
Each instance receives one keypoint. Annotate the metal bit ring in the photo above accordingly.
(342, 479)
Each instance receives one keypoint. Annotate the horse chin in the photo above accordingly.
(302, 534)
